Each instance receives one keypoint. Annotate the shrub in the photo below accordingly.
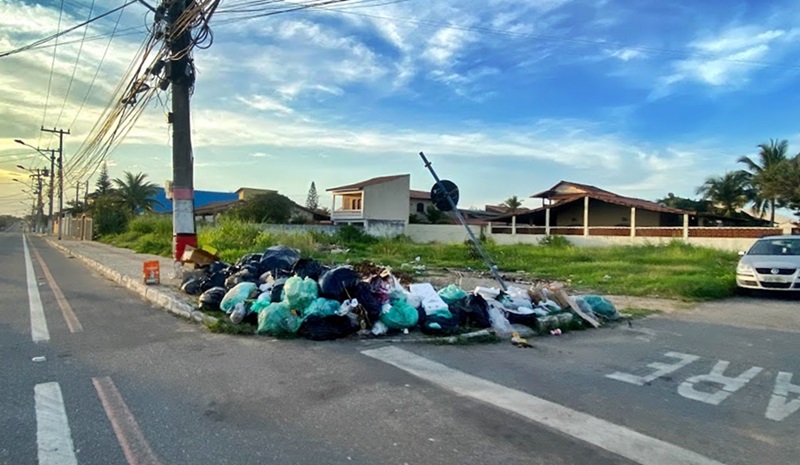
(558, 242)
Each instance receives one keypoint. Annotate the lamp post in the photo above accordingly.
(37, 174)
(52, 158)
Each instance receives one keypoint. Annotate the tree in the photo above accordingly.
(136, 193)
(758, 172)
(512, 204)
(103, 184)
(435, 216)
(783, 182)
(727, 193)
(682, 203)
(270, 207)
(312, 201)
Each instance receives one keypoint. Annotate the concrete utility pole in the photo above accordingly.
(50, 191)
(77, 193)
(86, 195)
(60, 133)
(181, 76)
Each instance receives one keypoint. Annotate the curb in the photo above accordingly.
(154, 295)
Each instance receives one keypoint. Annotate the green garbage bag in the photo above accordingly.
(278, 320)
(602, 307)
(322, 307)
(238, 293)
(299, 292)
(400, 315)
(452, 294)
(259, 305)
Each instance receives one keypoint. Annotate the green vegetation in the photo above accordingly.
(676, 270)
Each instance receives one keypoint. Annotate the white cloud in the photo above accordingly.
(626, 54)
(727, 59)
(263, 103)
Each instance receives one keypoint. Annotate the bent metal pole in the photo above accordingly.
(489, 263)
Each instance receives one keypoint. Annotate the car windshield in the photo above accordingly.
(776, 247)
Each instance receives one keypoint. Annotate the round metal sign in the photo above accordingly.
(439, 196)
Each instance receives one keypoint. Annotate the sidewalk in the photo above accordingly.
(124, 267)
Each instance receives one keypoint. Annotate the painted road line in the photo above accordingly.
(606, 435)
(66, 309)
(130, 437)
(39, 330)
(53, 436)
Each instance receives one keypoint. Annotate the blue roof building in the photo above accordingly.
(201, 198)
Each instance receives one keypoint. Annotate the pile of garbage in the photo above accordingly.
(285, 294)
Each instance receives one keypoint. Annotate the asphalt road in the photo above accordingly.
(141, 387)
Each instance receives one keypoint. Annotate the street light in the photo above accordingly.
(51, 173)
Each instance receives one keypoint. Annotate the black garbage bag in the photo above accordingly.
(253, 258)
(339, 283)
(213, 280)
(436, 325)
(247, 274)
(308, 268)
(277, 290)
(210, 299)
(216, 267)
(477, 315)
(192, 286)
(527, 319)
(368, 301)
(278, 260)
(326, 328)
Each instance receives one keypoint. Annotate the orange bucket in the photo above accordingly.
(151, 271)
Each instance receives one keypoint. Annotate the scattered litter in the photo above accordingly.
(285, 294)
(39, 359)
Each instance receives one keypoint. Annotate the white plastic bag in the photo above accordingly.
(500, 323)
(431, 302)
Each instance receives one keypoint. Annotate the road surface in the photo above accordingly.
(93, 375)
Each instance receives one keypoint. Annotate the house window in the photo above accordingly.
(420, 208)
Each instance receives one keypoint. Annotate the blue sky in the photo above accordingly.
(506, 97)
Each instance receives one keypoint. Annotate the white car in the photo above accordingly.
(772, 263)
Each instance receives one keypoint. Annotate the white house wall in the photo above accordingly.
(388, 201)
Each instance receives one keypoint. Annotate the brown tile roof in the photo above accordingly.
(608, 197)
(420, 195)
(368, 182)
(553, 191)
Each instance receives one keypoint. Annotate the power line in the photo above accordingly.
(75, 67)
(52, 68)
(64, 32)
(97, 72)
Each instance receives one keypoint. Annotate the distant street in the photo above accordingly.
(93, 375)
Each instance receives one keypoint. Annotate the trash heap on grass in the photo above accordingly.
(284, 294)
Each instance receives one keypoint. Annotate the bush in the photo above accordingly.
(558, 242)
(351, 235)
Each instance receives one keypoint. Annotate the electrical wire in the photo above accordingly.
(75, 67)
(97, 72)
(64, 32)
(52, 68)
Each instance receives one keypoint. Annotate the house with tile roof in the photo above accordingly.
(381, 201)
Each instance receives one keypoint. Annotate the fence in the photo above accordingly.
(81, 228)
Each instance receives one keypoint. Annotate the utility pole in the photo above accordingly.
(181, 76)
(60, 133)
(77, 193)
(51, 189)
(86, 195)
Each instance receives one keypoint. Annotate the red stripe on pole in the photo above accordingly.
(182, 194)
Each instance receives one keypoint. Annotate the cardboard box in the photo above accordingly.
(199, 257)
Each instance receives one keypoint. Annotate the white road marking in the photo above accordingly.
(39, 331)
(717, 376)
(53, 436)
(661, 369)
(66, 309)
(780, 406)
(606, 435)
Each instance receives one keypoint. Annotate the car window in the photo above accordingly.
(776, 247)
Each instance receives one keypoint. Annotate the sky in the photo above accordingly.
(505, 97)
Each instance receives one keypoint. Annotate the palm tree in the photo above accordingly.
(769, 156)
(512, 204)
(728, 192)
(136, 193)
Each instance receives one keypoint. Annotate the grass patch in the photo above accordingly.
(676, 271)
(223, 325)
